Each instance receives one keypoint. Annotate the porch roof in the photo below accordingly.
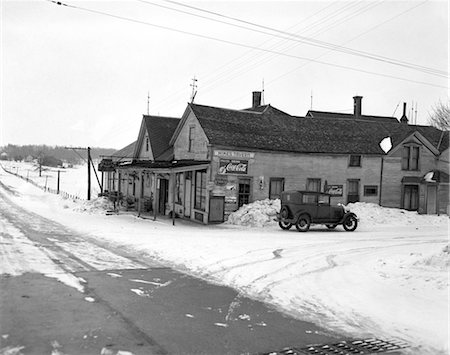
(165, 166)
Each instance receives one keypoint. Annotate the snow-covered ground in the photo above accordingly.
(387, 279)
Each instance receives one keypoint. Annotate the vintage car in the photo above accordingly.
(303, 208)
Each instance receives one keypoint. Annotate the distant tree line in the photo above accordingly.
(50, 155)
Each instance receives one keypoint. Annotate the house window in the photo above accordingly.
(313, 185)
(410, 158)
(200, 190)
(355, 160)
(243, 192)
(146, 144)
(370, 190)
(276, 187)
(191, 138)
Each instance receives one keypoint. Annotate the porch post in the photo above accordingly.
(154, 202)
(172, 177)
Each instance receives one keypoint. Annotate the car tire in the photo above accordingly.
(284, 213)
(350, 223)
(285, 225)
(331, 226)
(303, 223)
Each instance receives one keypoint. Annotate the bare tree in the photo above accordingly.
(440, 116)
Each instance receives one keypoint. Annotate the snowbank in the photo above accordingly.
(256, 214)
(263, 213)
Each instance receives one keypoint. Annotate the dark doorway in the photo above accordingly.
(353, 191)
(216, 209)
(411, 197)
(244, 192)
(163, 195)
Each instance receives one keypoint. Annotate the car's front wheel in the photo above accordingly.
(350, 223)
(285, 225)
(303, 223)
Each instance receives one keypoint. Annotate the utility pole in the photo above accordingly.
(89, 173)
(89, 162)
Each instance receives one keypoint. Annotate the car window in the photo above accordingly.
(324, 199)
(309, 198)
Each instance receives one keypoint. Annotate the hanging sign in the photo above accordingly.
(335, 190)
(228, 166)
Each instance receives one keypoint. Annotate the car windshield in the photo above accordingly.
(324, 199)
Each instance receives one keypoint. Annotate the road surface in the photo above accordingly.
(66, 293)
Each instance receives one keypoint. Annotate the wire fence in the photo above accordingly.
(44, 188)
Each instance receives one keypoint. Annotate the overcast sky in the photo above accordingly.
(79, 75)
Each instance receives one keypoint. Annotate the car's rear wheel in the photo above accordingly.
(285, 225)
(350, 223)
(303, 223)
(331, 226)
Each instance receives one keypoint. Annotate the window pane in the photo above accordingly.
(415, 158)
(405, 158)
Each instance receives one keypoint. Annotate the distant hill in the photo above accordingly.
(26, 152)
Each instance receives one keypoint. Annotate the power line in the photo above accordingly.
(301, 39)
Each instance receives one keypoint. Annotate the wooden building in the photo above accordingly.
(213, 160)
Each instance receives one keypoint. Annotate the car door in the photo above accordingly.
(323, 208)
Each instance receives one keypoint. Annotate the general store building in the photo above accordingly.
(214, 160)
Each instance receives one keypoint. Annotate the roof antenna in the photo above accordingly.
(311, 100)
(148, 103)
(263, 92)
(194, 89)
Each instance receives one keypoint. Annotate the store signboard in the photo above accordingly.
(235, 166)
(233, 154)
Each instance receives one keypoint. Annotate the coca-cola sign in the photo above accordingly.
(228, 166)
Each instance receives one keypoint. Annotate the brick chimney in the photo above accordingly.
(404, 119)
(357, 106)
(256, 99)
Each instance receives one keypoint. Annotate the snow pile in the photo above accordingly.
(372, 214)
(97, 205)
(439, 261)
(256, 214)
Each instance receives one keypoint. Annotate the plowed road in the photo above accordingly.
(63, 293)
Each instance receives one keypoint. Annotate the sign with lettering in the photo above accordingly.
(335, 190)
(233, 154)
(228, 166)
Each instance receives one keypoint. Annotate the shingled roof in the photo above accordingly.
(350, 116)
(275, 130)
(160, 130)
(124, 153)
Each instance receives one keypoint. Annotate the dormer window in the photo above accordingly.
(410, 157)
(355, 160)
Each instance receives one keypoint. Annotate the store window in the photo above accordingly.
(410, 157)
(276, 188)
(244, 192)
(200, 190)
(370, 190)
(313, 185)
(355, 160)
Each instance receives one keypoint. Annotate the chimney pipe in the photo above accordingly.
(357, 106)
(256, 99)
(404, 119)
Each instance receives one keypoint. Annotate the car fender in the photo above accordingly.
(348, 214)
(299, 213)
